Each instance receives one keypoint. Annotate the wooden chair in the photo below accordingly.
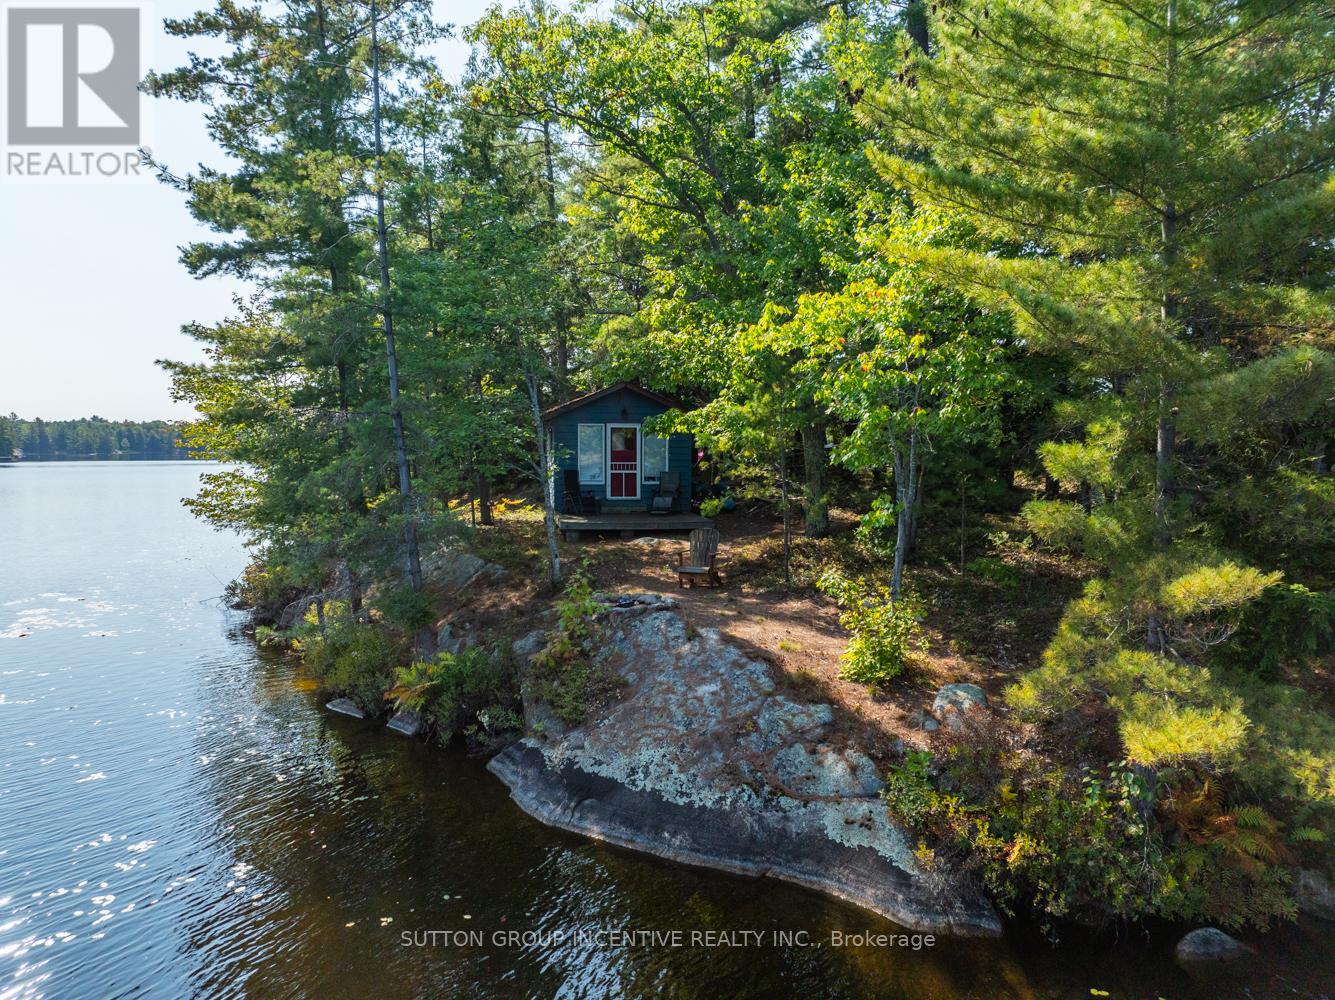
(703, 559)
(665, 496)
(578, 500)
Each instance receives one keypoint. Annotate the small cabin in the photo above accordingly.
(601, 436)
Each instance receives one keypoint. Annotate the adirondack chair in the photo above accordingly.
(700, 563)
(577, 500)
(665, 495)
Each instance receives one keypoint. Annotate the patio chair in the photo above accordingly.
(578, 500)
(664, 499)
(701, 561)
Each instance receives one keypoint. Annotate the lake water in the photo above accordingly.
(180, 817)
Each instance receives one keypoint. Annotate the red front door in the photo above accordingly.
(623, 462)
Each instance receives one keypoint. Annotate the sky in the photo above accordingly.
(92, 292)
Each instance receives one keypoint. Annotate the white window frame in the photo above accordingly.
(667, 453)
(579, 454)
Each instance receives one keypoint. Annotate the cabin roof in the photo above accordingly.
(574, 404)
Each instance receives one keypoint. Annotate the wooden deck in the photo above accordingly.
(628, 525)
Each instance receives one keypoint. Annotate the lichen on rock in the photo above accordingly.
(703, 761)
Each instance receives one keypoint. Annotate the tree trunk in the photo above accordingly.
(787, 528)
(1166, 431)
(814, 462)
(545, 478)
(484, 500)
(962, 522)
(354, 595)
(1165, 439)
(561, 349)
(901, 530)
(411, 555)
(908, 479)
(916, 465)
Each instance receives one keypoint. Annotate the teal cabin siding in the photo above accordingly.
(606, 416)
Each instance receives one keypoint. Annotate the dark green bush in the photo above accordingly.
(351, 658)
(1104, 845)
(406, 608)
(1287, 624)
(882, 630)
(566, 675)
(994, 570)
(472, 693)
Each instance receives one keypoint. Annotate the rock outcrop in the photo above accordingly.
(406, 722)
(703, 761)
(1314, 894)
(1209, 944)
(345, 706)
(455, 571)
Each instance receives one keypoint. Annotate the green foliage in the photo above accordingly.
(876, 528)
(267, 588)
(353, 658)
(91, 437)
(472, 693)
(267, 635)
(567, 674)
(1168, 710)
(1056, 523)
(1088, 244)
(405, 608)
(712, 507)
(882, 630)
(1071, 139)
(1090, 844)
(1209, 590)
(1287, 625)
(993, 570)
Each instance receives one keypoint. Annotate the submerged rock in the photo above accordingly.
(345, 706)
(1210, 944)
(405, 723)
(703, 762)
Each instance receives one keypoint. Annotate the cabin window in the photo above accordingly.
(591, 454)
(655, 457)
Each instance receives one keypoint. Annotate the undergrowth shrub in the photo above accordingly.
(882, 630)
(566, 675)
(994, 570)
(266, 589)
(1114, 843)
(876, 529)
(1287, 625)
(352, 658)
(472, 693)
(405, 608)
(712, 507)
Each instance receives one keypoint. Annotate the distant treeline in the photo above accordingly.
(89, 437)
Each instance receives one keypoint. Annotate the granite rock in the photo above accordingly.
(345, 706)
(702, 761)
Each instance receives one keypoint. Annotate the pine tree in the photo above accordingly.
(294, 386)
(1151, 182)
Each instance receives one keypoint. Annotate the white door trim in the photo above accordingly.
(639, 472)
